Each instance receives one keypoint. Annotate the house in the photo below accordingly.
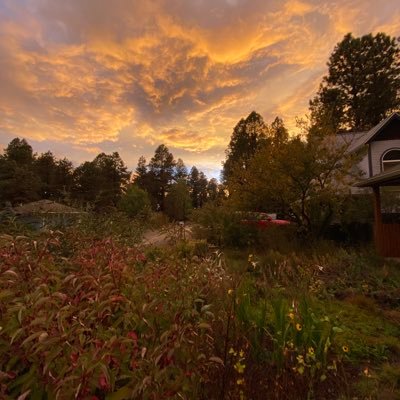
(42, 213)
(381, 167)
(382, 145)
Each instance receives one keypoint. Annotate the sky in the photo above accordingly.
(80, 77)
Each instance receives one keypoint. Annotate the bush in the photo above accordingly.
(99, 323)
(135, 202)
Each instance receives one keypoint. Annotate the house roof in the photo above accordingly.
(386, 178)
(353, 139)
(366, 137)
(45, 207)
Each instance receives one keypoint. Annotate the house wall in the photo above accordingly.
(363, 165)
(377, 149)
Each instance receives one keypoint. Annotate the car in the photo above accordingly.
(262, 220)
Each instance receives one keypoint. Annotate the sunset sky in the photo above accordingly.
(80, 77)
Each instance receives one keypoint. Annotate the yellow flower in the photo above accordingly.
(239, 367)
(240, 381)
(291, 315)
(230, 291)
(310, 350)
(241, 353)
(299, 327)
(232, 351)
(345, 349)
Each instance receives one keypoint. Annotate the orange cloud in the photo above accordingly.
(129, 74)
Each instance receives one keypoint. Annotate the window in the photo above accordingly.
(391, 159)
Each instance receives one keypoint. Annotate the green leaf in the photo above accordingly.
(121, 394)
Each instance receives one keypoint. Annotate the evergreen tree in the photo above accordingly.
(278, 132)
(20, 151)
(178, 202)
(101, 181)
(18, 181)
(212, 189)
(161, 169)
(246, 138)
(362, 86)
(181, 171)
(45, 167)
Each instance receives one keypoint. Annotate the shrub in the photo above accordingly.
(99, 323)
(135, 202)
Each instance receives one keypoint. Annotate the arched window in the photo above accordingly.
(391, 159)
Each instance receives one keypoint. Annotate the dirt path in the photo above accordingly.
(167, 235)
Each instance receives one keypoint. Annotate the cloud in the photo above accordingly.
(131, 74)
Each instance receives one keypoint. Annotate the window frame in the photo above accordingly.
(388, 162)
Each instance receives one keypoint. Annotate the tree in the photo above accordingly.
(198, 187)
(307, 179)
(362, 86)
(18, 181)
(278, 132)
(135, 202)
(161, 168)
(246, 138)
(18, 184)
(181, 171)
(101, 181)
(63, 177)
(141, 173)
(178, 202)
(212, 189)
(45, 167)
(86, 182)
(20, 151)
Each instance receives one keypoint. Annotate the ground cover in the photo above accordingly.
(92, 312)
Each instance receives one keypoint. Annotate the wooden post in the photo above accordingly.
(378, 219)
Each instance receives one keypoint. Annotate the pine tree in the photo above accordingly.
(362, 86)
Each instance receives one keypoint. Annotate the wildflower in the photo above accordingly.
(311, 350)
(250, 259)
(232, 351)
(230, 291)
(241, 353)
(291, 315)
(240, 381)
(345, 349)
(239, 367)
(299, 327)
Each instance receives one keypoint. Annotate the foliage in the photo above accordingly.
(24, 176)
(88, 313)
(161, 171)
(93, 325)
(55, 176)
(135, 202)
(246, 138)
(101, 181)
(306, 179)
(198, 187)
(362, 85)
(178, 203)
(18, 183)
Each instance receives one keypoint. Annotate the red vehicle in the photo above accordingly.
(262, 220)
